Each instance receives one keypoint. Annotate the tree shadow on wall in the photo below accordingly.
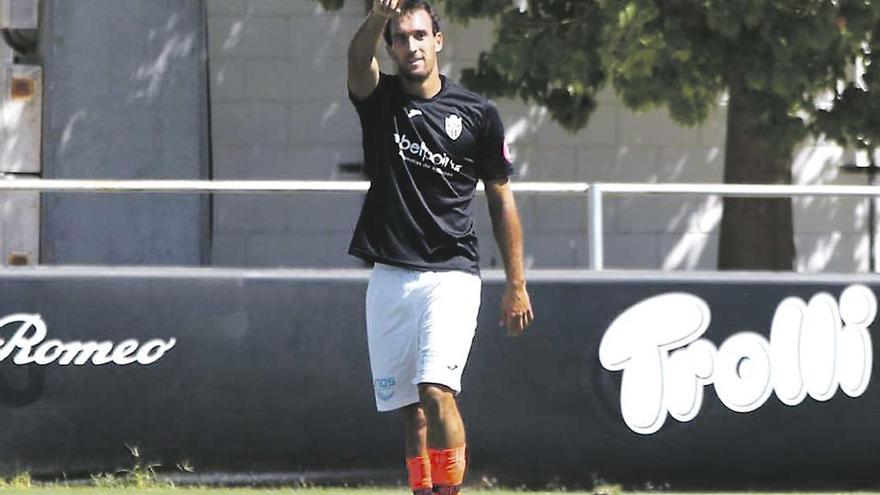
(830, 231)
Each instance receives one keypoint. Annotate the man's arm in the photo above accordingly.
(363, 68)
(516, 308)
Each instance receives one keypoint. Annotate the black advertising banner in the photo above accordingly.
(752, 380)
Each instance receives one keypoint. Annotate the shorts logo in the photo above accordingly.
(453, 126)
(385, 388)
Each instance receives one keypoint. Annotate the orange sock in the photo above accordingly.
(419, 469)
(447, 467)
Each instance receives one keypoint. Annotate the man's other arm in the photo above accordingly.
(363, 68)
(516, 308)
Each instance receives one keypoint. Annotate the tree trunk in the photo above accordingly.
(756, 233)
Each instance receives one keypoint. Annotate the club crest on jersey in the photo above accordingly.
(453, 126)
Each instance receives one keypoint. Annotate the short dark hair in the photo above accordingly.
(410, 6)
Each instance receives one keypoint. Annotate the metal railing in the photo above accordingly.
(595, 192)
(239, 186)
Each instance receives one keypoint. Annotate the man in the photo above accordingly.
(427, 142)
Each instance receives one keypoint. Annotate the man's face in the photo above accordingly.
(414, 45)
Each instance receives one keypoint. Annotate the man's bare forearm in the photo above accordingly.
(363, 45)
(516, 307)
(508, 236)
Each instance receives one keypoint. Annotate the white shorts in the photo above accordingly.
(420, 326)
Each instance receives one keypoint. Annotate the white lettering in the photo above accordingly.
(29, 345)
(742, 374)
(424, 154)
(636, 345)
(814, 349)
(858, 308)
(153, 350)
(785, 337)
(123, 354)
(48, 352)
(819, 347)
(19, 339)
(97, 352)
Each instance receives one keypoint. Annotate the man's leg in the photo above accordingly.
(447, 328)
(418, 464)
(393, 346)
(445, 438)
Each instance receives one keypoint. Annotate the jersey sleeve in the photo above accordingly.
(366, 107)
(493, 157)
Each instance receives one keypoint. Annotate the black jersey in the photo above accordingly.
(424, 158)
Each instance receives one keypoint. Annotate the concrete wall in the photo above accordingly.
(280, 111)
(126, 98)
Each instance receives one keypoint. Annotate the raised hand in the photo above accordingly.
(387, 8)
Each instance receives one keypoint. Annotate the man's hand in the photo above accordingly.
(387, 8)
(516, 309)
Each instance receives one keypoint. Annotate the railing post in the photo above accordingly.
(594, 198)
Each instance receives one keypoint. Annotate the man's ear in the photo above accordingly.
(389, 51)
(438, 41)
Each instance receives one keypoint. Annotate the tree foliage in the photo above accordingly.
(684, 55)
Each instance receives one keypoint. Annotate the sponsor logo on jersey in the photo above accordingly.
(410, 150)
(413, 113)
(385, 388)
(453, 126)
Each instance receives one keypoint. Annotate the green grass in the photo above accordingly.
(62, 490)
(37, 489)
(198, 491)
(65, 490)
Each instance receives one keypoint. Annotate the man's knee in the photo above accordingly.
(436, 399)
